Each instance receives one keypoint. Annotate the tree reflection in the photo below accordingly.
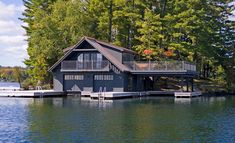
(132, 120)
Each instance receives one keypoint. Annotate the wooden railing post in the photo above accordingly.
(166, 65)
(134, 65)
(149, 64)
(76, 66)
(183, 65)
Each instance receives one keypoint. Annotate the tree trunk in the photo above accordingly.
(163, 9)
(110, 20)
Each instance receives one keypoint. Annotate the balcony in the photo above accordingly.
(85, 66)
(161, 66)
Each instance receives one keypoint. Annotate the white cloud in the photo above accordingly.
(10, 27)
(17, 40)
(13, 44)
(13, 56)
(6, 11)
(9, 11)
(17, 52)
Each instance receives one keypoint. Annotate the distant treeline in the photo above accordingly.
(20, 75)
(194, 30)
(16, 74)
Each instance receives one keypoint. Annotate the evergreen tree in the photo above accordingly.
(195, 30)
(150, 31)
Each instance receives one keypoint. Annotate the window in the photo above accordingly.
(73, 77)
(68, 77)
(103, 77)
(130, 83)
(78, 77)
(99, 61)
(80, 61)
(96, 57)
(90, 59)
(80, 58)
(86, 57)
(93, 56)
(99, 57)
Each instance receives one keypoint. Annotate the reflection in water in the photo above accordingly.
(215, 99)
(183, 100)
(75, 119)
(38, 101)
(187, 100)
(57, 102)
(96, 103)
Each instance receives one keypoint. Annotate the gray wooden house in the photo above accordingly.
(92, 65)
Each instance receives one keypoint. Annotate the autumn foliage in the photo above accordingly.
(148, 52)
(168, 53)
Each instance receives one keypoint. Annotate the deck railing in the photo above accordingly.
(160, 65)
(89, 65)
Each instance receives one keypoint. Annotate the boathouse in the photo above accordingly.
(92, 66)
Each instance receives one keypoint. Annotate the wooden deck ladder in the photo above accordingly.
(101, 94)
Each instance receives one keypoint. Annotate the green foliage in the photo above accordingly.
(220, 75)
(150, 31)
(195, 30)
(54, 28)
(16, 74)
(6, 73)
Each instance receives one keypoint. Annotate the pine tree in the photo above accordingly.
(150, 34)
(195, 30)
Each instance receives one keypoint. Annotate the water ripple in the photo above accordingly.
(57, 120)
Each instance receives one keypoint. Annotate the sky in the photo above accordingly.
(13, 44)
(233, 17)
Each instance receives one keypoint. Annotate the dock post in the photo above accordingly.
(181, 83)
(134, 65)
(187, 84)
(149, 65)
(192, 85)
(166, 65)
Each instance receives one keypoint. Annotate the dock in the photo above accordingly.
(120, 95)
(187, 94)
(117, 95)
(31, 93)
(95, 95)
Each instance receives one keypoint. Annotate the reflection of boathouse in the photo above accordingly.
(92, 65)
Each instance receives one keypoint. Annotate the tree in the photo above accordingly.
(150, 34)
(35, 11)
(55, 29)
(17, 74)
(198, 30)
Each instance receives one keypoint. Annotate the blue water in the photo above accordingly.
(154, 119)
(9, 84)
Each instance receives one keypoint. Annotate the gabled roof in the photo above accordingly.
(112, 46)
(67, 49)
(65, 55)
(99, 46)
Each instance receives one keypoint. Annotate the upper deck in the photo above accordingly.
(162, 67)
(135, 67)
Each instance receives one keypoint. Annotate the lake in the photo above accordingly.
(149, 119)
(9, 86)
